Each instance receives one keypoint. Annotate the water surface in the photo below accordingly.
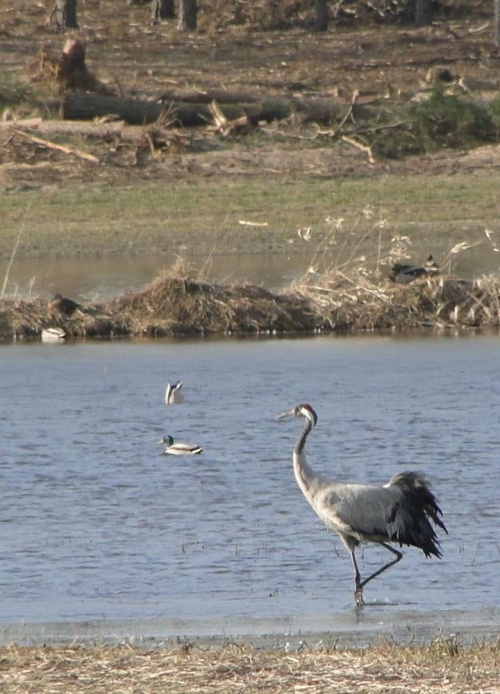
(100, 279)
(98, 525)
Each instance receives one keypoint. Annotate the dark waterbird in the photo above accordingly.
(400, 511)
(64, 305)
(404, 274)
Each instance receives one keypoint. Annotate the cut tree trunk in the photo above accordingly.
(496, 29)
(66, 14)
(88, 106)
(162, 9)
(188, 15)
(206, 97)
(321, 18)
(422, 12)
(76, 106)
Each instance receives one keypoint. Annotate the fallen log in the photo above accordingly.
(115, 132)
(140, 112)
(53, 145)
(101, 131)
(77, 106)
(206, 97)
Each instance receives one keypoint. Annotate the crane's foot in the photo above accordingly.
(358, 597)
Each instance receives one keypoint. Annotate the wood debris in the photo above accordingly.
(224, 126)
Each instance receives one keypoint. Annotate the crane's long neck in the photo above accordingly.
(305, 476)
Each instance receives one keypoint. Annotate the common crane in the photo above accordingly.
(400, 511)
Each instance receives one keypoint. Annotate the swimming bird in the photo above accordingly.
(173, 395)
(400, 511)
(404, 274)
(53, 335)
(177, 448)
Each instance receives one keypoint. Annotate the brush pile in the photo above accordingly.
(175, 304)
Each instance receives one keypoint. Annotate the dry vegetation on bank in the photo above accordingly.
(266, 50)
(441, 668)
(175, 305)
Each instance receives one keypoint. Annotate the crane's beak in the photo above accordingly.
(284, 415)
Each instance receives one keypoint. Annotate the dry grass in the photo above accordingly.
(343, 302)
(176, 304)
(442, 667)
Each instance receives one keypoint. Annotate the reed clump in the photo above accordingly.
(176, 304)
(346, 302)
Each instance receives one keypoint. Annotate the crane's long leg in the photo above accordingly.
(358, 593)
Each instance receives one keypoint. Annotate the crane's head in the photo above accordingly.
(304, 410)
(167, 440)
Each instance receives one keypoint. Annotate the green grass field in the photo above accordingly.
(204, 215)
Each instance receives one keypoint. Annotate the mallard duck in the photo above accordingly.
(404, 274)
(173, 395)
(66, 306)
(177, 448)
(53, 335)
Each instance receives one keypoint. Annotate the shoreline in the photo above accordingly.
(176, 305)
(352, 629)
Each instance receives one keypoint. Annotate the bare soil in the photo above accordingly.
(137, 59)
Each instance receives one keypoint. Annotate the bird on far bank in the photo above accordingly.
(64, 305)
(404, 274)
(400, 511)
(173, 395)
(178, 448)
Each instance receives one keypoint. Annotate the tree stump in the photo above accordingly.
(72, 73)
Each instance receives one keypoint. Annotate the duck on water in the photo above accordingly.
(178, 448)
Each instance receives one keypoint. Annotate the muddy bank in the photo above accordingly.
(178, 305)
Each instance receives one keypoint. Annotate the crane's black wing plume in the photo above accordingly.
(409, 519)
